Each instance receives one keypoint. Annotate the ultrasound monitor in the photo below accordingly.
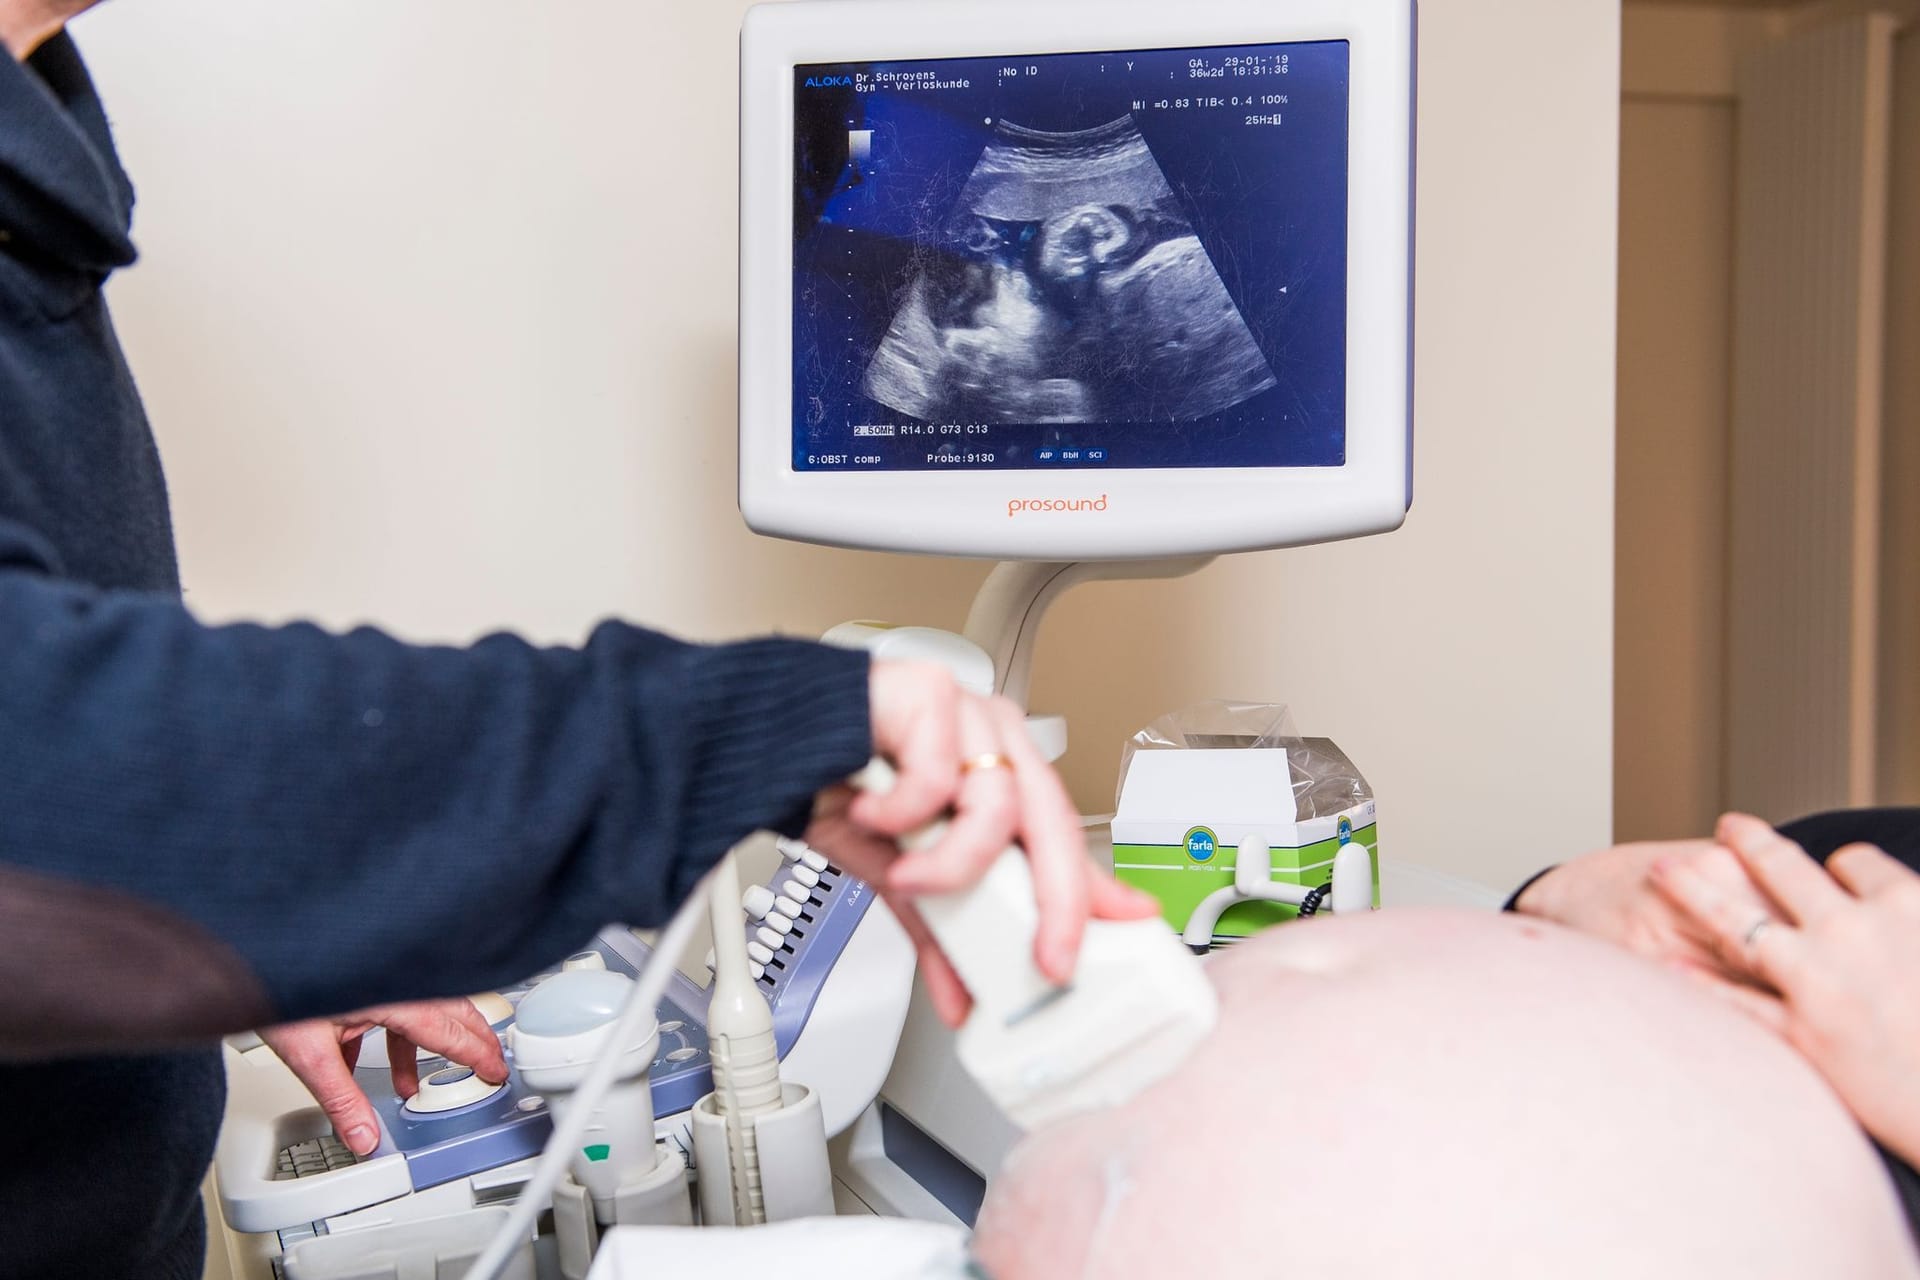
(1072, 279)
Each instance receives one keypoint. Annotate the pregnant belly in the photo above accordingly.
(1449, 1093)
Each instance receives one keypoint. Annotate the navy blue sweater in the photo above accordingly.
(204, 828)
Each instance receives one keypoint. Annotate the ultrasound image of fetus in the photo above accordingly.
(1066, 286)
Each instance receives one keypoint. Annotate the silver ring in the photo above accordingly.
(990, 760)
(1753, 934)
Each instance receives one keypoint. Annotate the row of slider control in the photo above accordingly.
(801, 853)
(776, 913)
(756, 967)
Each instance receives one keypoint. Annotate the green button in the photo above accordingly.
(598, 1151)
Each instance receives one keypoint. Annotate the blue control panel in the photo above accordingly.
(512, 1124)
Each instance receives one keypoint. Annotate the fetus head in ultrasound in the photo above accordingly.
(1065, 286)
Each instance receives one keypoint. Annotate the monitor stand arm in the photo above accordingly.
(1012, 602)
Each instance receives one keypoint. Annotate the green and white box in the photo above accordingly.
(1184, 813)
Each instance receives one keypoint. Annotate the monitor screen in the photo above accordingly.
(1134, 259)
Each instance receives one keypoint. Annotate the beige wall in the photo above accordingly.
(436, 326)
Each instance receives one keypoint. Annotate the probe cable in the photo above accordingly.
(571, 1126)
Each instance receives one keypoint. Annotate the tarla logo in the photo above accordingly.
(829, 82)
(1201, 844)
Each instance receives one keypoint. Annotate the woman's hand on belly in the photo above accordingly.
(1839, 955)
(1608, 894)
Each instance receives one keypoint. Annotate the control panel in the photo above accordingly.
(281, 1169)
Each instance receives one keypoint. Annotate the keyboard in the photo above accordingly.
(318, 1155)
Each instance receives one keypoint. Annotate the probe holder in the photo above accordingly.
(792, 1145)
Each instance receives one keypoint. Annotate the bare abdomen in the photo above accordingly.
(1421, 1093)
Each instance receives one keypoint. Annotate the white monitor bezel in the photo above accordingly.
(1147, 513)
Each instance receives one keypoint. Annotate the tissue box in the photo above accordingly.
(1183, 813)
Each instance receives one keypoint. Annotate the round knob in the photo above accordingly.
(373, 1051)
(584, 960)
(494, 1007)
(448, 1088)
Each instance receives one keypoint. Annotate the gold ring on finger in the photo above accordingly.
(988, 760)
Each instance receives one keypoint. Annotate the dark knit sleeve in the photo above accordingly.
(1513, 899)
(346, 819)
(1823, 834)
(1895, 830)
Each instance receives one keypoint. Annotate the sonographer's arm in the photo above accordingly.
(210, 828)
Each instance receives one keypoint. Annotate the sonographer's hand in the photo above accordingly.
(1835, 951)
(953, 750)
(322, 1052)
